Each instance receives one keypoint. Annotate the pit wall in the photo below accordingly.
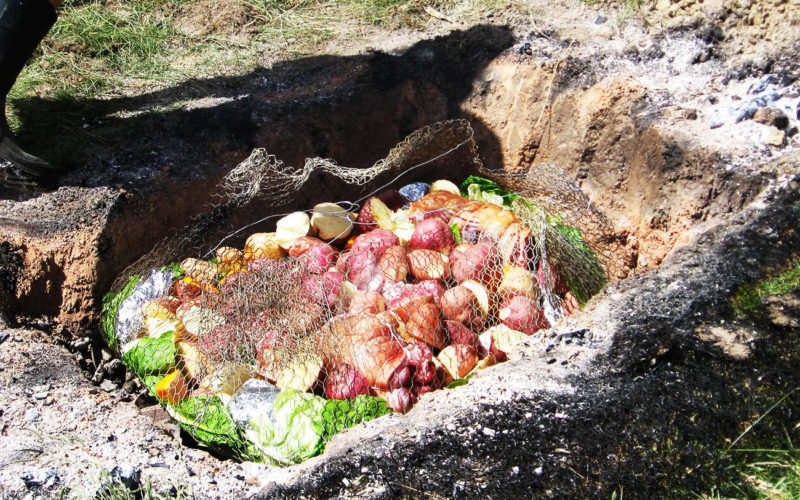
(656, 188)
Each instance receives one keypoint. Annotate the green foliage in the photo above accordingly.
(290, 433)
(746, 299)
(209, 422)
(177, 272)
(759, 472)
(578, 284)
(152, 356)
(108, 315)
(341, 414)
(481, 189)
(456, 233)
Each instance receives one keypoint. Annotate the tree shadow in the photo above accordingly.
(350, 108)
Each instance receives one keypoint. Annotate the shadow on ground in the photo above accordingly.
(352, 109)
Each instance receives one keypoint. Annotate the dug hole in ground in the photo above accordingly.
(633, 393)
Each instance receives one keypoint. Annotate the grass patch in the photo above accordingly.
(746, 299)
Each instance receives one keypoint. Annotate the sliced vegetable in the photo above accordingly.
(291, 227)
(302, 372)
(174, 387)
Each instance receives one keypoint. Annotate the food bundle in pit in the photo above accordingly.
(337, 317)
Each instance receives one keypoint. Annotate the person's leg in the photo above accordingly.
(23, 24)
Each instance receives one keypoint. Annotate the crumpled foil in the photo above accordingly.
(129, 314)
(255, 397)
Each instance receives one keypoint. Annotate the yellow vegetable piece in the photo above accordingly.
(173, 388)
(301, 373)
(230, 259)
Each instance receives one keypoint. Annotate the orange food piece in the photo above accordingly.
(173, 388)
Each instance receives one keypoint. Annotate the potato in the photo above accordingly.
(230, 259)
(499, 340)
(201, 320)
(460, 334)
(394, 263)
(434, 288)
(445, 185)
(521, 313)
(366, 302)
(516, 246)
(158, 320)
(331, 223)
(428, 265)
(432, 234)
(361, 268)
(291, 227)
(326, 289)
(460, 304)
(313, 254)
(227, 379)
(458, 360)
(262, 245)
(202, 272)
(345, 382)
(424, 323)
(479, 262)
(519, 281)
(489, 346)
(375, 242)
(481, 293)
(396, 294)
(506, 339)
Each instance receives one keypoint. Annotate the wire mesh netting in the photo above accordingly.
(264, 335)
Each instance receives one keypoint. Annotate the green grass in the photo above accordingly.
(763, 474)
(746, 300)
(117, 47)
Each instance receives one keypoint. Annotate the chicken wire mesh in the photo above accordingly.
(266, 335)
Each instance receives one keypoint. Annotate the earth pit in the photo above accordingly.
(684, 212)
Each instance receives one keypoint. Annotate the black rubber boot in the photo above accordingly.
(23, 24)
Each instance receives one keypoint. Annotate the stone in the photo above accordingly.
(771, 116)
(774, 137)
(783, 310)
(108, 385)
(127, 475)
